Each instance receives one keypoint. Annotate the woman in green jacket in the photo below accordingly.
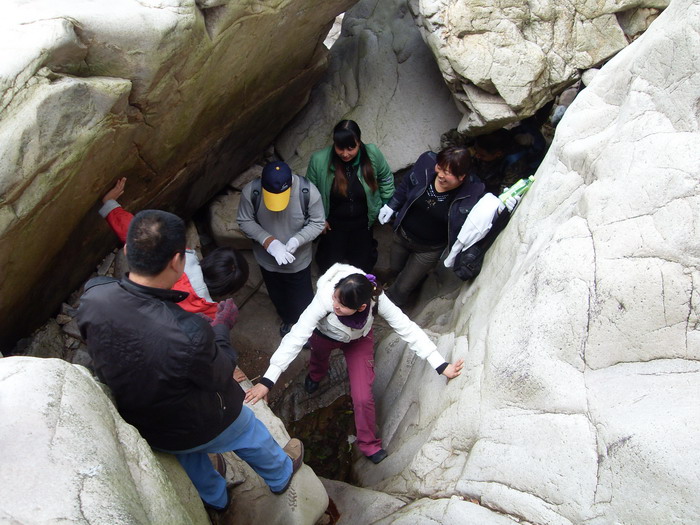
(355, 181)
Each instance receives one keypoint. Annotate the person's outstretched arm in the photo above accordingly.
(417, 339)
(289, 347)
(117, 217)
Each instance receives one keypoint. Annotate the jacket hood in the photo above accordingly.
(334, 274)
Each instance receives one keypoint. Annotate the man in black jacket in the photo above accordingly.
(170, 371)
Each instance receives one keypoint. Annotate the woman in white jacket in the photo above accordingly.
(341, 316)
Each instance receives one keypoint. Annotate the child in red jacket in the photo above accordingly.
(222, 272)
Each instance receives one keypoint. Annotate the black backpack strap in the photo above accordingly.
(255, 189)
(305, 197)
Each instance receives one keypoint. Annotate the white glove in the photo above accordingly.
(292, 245)
(280, 253)
(512, 202)
(385, 214)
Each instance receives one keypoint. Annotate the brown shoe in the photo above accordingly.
(295, 450)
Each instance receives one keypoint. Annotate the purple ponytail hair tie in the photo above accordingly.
(371, 278)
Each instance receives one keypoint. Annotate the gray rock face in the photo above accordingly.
(69, 456)
(383, 76)
(177, 95)
(504, 60)
(578, 402)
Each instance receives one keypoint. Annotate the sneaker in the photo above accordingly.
(378, 456)
(295, 450)
(285, 328)
(310, 385)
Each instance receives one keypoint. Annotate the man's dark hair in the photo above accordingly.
(225, 271)
(455, 159)
(154, 237)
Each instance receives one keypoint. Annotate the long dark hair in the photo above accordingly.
(225, 271)
(347, 134)
(356, 289)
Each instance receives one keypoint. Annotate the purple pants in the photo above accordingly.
(359, 357)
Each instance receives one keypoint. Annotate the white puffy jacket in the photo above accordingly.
(319, 315)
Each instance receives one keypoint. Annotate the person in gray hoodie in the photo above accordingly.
(283, 224)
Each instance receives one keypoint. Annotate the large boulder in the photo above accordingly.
(505, 60)
(68, 455)
(178, 95)
(578, 400)
(383, 76)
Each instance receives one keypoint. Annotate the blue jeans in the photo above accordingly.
(252, 442)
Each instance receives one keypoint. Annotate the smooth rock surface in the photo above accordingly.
(177, 95)
(383, 76)
(358, 505)
(581, 336)
(68, 455)
(505, 60)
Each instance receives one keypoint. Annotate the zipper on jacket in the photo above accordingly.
(398, 224)
(221, 401)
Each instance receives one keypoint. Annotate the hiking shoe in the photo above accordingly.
(378, 456)
(310, 385)
(285, 328)
(295, 450)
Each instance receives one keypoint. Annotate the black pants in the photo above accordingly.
(356, 247)
(291, 293)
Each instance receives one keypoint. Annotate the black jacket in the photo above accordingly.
(171, 373)
(415, 183)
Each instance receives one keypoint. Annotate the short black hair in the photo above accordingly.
(153, 239)
(225, 271)
(457, 160)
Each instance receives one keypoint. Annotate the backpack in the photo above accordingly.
(468, 262)
(304, 197)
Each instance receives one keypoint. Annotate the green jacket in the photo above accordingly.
(321, 173)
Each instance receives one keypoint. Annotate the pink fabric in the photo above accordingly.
(359, 357)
